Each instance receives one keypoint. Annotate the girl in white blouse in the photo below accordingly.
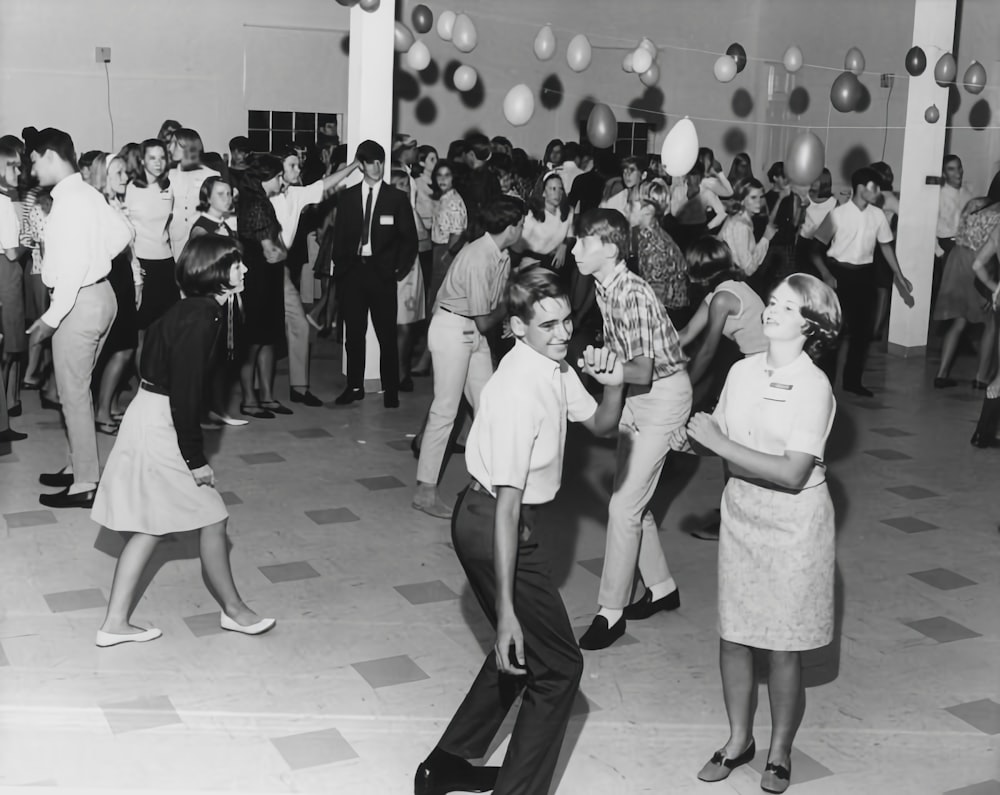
(548, 224)
(737, 230)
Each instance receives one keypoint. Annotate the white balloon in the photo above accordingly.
(579, 53)
(680, 148)
(465, 78)
(545, 43)
(792, 59)
(463, 33)
(725, 68)
(446, 24)
(627, 62)
(646, 44)
(641, 60)
(519, 105)
(418, 56)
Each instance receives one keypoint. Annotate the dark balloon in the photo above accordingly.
(845, 92)
(348, 3)
(916, 61)
(932, 114)
(402, 37)
(945, 70)
(738, 54)
(423, 19)
(975, 78)
(602, 129)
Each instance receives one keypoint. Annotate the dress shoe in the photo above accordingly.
(944, 383)
(255, 411)
(442, 772)
(390, 401)
(15, 410)
(647, 606)
(63, 499)
(776, 778)
(600, 635)
(56, 480)
(306, 398)
(10, 435)
(406, 385)
(349, 395)
(55, 405)
(225, 419)
(105, 639)
(983, 441)
(718, 767)
(258, 628)
(434, 508)
(857, 389)
(30, 386)
(415, 446)
(976, 384)
(275, 407)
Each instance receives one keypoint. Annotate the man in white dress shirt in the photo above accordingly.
(82, 235)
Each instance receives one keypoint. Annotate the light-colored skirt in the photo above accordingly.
(146, 486)
(410, 304)
(776, 564)
(958, 296)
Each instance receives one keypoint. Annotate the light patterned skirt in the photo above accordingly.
(410, 297)
(146, 486)
(776, 565)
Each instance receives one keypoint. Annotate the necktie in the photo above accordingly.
(366, 229)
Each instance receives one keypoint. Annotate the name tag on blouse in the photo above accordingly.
(779, 396)
(385, 220)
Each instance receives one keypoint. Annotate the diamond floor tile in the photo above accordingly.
(312, 749)
(289, 572)
(983, 715)
(204, 624)
(311, 433)
(942, 579)
(991, 787)
(333, 516)
(65, 601)
(390, 671)
(888, 455)
(29, 519)
(913, 492)
(422, 593)
(380, 483)
(141, 713)
(262, 458)
(942, 629)
(910, 524)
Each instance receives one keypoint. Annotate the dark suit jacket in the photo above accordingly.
(393, 233)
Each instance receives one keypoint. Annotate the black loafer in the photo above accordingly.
(349, 395)
(718, 767)
(10, 435)
(776, 778)
(983, 441)
(306, 398)
(275, 407)
(646, 606)
(390, 401)
(56, 480)
(406, 385)
(442, 772)
(944, 383)
(63, 499)
(599, 635)
(15, 411)
(55, 405)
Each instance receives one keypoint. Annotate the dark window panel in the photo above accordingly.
(305, 122)
(624, 129)
(260, 140)
(281, 120)
(305, 138)
(258, 119)
(280, 139)
(640, 147)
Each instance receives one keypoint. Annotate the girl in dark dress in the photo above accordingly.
(263, 302)
(157, 480)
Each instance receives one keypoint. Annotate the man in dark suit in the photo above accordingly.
(374, 246)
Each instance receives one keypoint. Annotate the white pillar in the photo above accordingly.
(923, 149)
(369, 115)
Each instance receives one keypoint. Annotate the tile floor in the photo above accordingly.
(378, 634)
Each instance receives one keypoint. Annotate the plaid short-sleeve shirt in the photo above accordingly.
(635, 323)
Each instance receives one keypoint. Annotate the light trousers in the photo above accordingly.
(297, 334)
(647, 421)
(462, 365)
(75, 347)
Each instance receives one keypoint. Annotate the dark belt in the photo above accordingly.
(851, 266)
(452, 312)
(766, 484)
(102, 279)
(149, 386)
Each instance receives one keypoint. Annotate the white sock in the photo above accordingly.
(77, 488)
(612, 614)
(660, 590)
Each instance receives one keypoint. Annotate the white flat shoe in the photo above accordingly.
(259, 628)
(227, 420)
(105, 639)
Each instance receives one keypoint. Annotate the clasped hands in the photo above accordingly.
(602, 365)
(702, 429)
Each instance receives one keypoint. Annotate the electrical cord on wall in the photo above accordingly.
(885, 138)
(107, 76)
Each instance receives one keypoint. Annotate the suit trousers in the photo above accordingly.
(643, 443)
(462, 365)
(362, 290)
(297, 334)
(75, 347)
(857, 292)
(552, 656)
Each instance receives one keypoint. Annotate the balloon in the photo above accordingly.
(651, 76)
(627, 65)
(463, 34)
(793, 59)
(945, 70)
(402, 37)
(932, 114)
(446, 24)
(518, 105)
(725, 68)
(916, 61)
(804, 160)
(578, 53)
(738, 54)
(545, 43)
(680, 148)
(646, 44)
(418, 56)
(370, 5)
(348, 3)
(422, 18)
(602, 128)
(845, 92)
(641, 60)
(854, 61)
(465, 78)
(975, 78)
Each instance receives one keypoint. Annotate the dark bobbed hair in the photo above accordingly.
(949, 159)
(865, 175)
(204, 264)
(263, 167)
(536, 201)
(189, 139)
(609, 225)
(479, 145)
(529, 286)
(710, 263)
(885, 175)
(741, 162)
(550, 146)
(8, 152)
(205, 191)
(370, 151)
(820, 310)
(138, 176)
(500, 213)
(777, 169)
(52, 140)
(168, 128)
(501, 164)
(740, 191)
(240, 143)
(441, 163)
